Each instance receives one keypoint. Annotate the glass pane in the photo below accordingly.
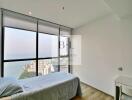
(19, 44)
(64, 64)
(63, 46)
(47, 66)
(20, 70)
(48, 45)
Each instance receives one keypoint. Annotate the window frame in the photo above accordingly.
(37, 58)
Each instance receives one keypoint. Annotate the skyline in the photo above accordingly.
(21, 69)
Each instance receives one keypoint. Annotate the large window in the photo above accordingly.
(33, 47)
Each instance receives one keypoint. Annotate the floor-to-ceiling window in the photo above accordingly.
(31, 46)
(19, 45)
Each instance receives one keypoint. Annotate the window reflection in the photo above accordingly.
(64, 64)
(63, 46)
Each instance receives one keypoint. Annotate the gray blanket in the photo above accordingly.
(55, 86)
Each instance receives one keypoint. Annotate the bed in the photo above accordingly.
(54, 86)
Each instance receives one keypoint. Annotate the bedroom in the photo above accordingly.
(95, 41)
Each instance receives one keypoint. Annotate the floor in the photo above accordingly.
(90, 93)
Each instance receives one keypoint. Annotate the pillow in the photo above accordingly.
(9, 86)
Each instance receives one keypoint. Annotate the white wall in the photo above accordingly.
(106, 45)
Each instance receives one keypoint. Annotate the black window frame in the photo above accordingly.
(37, 43)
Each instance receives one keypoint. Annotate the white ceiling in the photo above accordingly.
(123, 8)
(75, 13)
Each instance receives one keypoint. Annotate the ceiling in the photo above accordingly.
(72, 13)
(123, 8)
